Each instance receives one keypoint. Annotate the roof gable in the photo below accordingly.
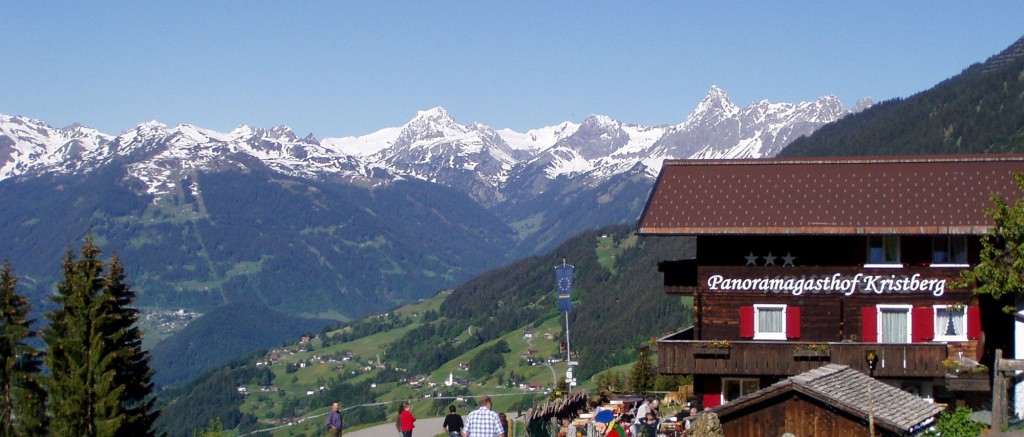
(863, 195)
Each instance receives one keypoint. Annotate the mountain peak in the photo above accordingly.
(430, 124)
(151, 125)
(605, 121)
(243, 130)
(435, 113)
(715, 102)
(282, 132)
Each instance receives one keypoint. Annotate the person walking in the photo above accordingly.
(483, 422)
(406, 421)
(452, 423)
(334, 425)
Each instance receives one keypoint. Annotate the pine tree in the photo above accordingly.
(641, 379)
(130, 360)
(99, 381)
(22, 399)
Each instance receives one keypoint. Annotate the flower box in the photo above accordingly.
(968, 382)
(712, 351)
(812, 353)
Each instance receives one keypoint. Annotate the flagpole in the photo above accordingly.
(568, 354)
(568, 350)
(563, 288)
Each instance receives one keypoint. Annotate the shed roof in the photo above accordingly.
(857, 195)
(847, 389)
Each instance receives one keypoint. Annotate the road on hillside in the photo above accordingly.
(428, 427)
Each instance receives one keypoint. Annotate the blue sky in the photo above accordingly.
(351, 67)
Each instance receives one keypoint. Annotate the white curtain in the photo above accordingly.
(949, 323)
(894, 323)
(771, 320)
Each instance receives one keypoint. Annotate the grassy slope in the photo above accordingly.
(295, 385)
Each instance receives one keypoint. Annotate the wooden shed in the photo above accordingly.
(832, 400)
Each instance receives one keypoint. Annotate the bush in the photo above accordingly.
(956, 423)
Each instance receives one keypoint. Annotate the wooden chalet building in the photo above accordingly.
(806, 262)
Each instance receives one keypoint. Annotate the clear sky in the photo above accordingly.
(341, 68)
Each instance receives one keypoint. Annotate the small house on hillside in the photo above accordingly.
(832, 400)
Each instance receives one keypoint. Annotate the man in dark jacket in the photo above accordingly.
(452, 423)
(334, 421)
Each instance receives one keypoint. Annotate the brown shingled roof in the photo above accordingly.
(847, 390)
(858, 195)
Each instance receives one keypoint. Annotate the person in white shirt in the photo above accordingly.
(641, 412)
(483, 422)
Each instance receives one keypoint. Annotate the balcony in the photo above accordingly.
(779, 358)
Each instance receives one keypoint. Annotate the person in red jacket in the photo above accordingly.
(405, 422)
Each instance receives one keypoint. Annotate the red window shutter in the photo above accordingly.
(869, 324)
(747, 322)
(713, 392)
(792, 322)
(973, 323)
(923, 328)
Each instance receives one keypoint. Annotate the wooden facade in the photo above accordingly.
(831, 316)
(797, 415)
(850, 261)
(781, 359)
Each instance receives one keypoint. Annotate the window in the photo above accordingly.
(883, 250)
(733, 388)
(894, 323)
(949, 250)
(950, 323)
(769, 322)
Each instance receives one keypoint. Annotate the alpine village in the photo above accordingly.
(865, 277)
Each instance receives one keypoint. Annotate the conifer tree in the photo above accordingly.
(99, 381)
(641, 378)
(22, 399)
(130, 360)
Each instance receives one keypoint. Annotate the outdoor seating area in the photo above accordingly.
(580, 415)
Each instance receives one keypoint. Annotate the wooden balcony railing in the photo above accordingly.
(790, 358)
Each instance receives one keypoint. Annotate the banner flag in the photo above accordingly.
(563, 286)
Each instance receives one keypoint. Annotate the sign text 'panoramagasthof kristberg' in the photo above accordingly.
(836, 283)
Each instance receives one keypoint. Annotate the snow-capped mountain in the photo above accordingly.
(719, 129)
(30, 146)
(473, 158)
(343, 225)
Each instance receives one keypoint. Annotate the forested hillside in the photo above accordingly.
(228, 332)
(563, 208)
(619, 304)
(980, 110)
(309, 249)
(304, 247)
(615, 309)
